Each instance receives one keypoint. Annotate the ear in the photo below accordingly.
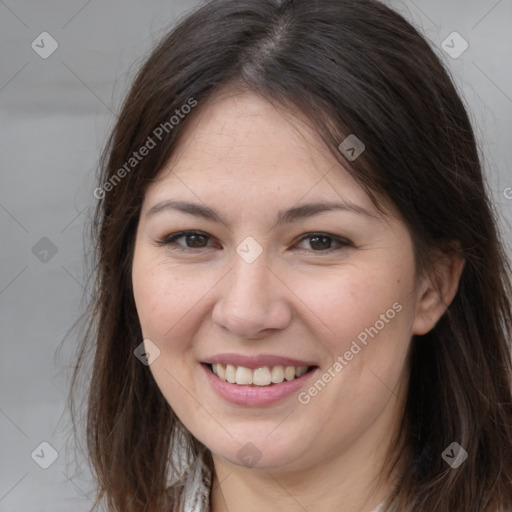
(436, 292)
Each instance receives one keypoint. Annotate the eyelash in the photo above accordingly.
(170, 240)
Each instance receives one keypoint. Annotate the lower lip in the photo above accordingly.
(255, 396)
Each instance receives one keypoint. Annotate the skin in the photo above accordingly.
(247, 160)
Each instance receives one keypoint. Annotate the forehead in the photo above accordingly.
(239, 144)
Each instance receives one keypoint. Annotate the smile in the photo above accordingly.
(264, 376)
(256, 381)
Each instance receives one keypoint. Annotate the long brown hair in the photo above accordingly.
(350, 67)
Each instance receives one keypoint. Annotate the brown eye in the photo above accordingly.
(193, 240)
(320, 242)
(323, 242)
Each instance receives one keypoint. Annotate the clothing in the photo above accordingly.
(197, 489)
(196, 496)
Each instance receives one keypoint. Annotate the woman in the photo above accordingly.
(303, 302)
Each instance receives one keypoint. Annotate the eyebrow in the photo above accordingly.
(283, 217)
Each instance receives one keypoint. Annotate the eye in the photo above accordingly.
(319, 242)
(323, 242)
(193, 240)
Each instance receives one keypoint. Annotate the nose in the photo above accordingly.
(252, 301)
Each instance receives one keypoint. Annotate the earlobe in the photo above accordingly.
(436, 293)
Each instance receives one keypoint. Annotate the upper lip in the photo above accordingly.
(256, 361)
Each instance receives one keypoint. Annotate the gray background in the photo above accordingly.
(54, 117)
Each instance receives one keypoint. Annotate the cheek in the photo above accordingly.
(165, 298)
(168, 302)
(366, 329)
(343, 306)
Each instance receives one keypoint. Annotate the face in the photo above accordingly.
(236, 279)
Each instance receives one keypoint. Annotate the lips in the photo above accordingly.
(256, 380)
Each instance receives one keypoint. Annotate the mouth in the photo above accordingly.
(258, 380)
(264, 376)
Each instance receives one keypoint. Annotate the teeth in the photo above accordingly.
(221, 371)
(289, 373)
(263, 376)
(243, 375)
(277, 374)
(230, 373)
(300, 371)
